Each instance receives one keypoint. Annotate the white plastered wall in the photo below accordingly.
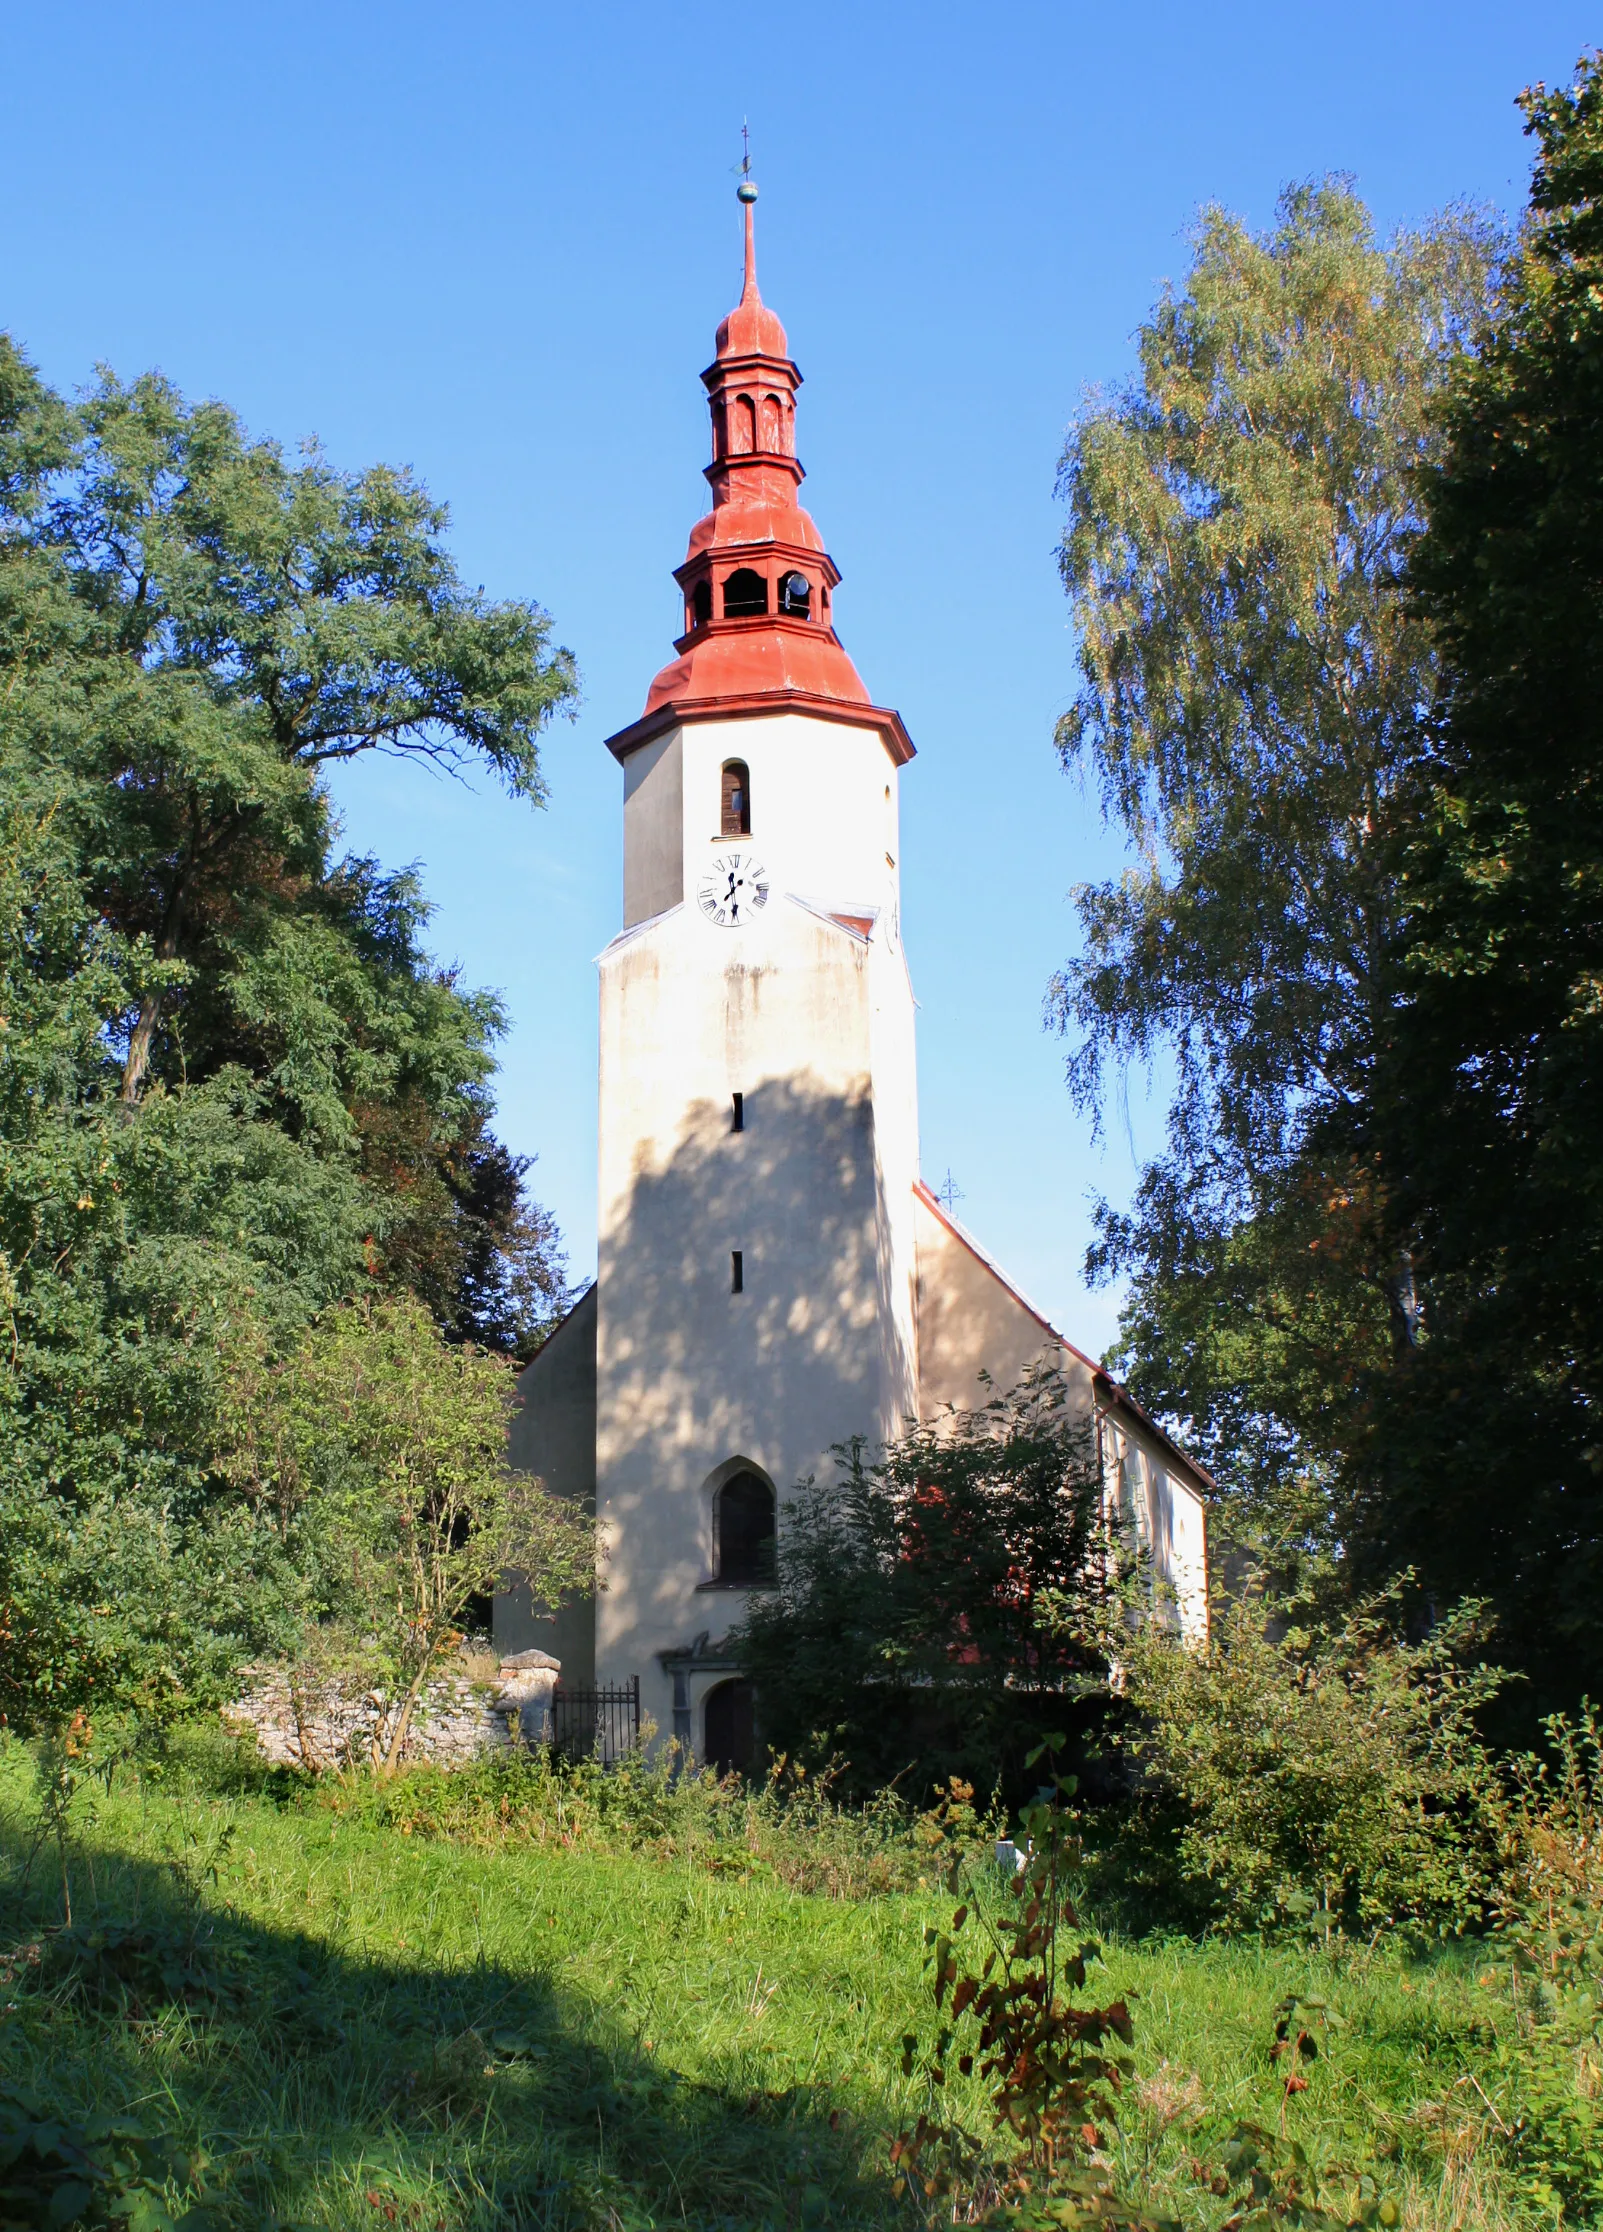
(824, 812)
(970, 1320)
(811, 1020)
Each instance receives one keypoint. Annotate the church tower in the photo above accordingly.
(773, 1279)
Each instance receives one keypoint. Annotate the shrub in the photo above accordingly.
(937, 1609)
(1054, 2069)
(1332, 1778)
(792, 1827)
(107, 2171)
(378, 1451)
(1551, 1925)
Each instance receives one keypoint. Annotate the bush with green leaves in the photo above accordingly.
(1331, 1777)
(1550, 1928)
(792, 1828)
(941, 1604)
(101, 2173)
(376, 1454)
(1054, 2071)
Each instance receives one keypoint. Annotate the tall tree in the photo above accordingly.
(193, 627)
(1484, 1108)
(1250, 681)
(233, 1086)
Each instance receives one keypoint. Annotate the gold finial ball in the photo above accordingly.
(746, 191)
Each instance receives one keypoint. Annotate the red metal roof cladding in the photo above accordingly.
(751, 329)
(764, 642)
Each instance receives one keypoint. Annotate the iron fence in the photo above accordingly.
(600, 1723)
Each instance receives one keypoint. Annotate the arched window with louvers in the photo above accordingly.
(734, 803)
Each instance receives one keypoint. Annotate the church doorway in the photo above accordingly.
(730, 1725)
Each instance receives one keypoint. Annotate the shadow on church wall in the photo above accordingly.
(692, 1373)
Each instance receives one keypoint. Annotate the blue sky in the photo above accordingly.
(492, 242)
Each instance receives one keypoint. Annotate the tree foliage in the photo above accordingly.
(377, 1457)
(1331, 1775)
(1483, 1107)
(233, 1086)
(934, 1603)
(1250, 683)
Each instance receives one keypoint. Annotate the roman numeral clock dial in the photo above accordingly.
(732, 890)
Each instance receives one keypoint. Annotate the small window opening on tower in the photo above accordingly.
(738, 1120)
(743, 1532)
(701, 604)
(737, 1271)
(796, 595)
(734, 800)
(745, 592)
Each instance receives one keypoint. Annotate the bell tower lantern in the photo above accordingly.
(757, 583)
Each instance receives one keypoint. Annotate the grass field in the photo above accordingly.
(358, 2026)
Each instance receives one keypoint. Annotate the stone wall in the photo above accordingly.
(458, 1718)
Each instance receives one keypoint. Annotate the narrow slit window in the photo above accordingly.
(701, 604)
(737, 1271)
(738, 1120)
(734, 802)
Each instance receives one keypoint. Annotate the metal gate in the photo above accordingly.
(600, 1723)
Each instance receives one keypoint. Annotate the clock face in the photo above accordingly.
(732, 890)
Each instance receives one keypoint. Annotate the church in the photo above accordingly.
(774, 1277)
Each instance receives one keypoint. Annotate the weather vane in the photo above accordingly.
(746, 190)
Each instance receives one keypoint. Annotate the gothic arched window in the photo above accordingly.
(734, 816)
(744, 592)
(743, 1532)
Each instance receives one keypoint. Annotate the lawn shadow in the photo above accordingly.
(325, 2086)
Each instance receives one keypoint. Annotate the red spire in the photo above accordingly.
(757, 579)
(749, 329)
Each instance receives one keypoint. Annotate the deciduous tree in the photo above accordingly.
(1250, 685)
(1484, 1106)
(233, 1085)
(378, 1455)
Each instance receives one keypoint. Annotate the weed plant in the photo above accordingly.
(790, 1828)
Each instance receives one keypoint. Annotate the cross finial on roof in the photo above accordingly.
(949, 1193)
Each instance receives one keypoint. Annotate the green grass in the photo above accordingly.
(364, 2027)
